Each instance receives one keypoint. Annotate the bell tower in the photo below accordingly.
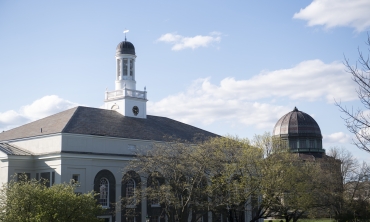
(125, 99)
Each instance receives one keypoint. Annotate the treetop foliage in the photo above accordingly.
(32, 201)
(224, 175)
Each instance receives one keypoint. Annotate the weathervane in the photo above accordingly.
(125, 31)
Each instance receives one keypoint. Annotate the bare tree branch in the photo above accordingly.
(358, 121)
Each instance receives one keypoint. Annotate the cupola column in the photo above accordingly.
(121, 69)
(128, 67)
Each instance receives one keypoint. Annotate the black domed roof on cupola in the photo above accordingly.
(297, 124)
(125, 47)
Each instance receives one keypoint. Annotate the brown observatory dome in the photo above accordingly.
(301, 131)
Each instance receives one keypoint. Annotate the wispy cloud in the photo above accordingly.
(231, 102)
(334, 13)
(338, 137)
(40, 108)
(180, 42)
(240, 101)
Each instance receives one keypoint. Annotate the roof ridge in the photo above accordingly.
(69, 120)
(9, 149)
(37, 120)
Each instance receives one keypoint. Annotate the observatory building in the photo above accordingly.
(302, 133)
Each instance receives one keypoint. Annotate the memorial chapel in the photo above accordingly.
(92, 145)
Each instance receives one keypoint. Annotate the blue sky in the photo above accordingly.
(230, 67)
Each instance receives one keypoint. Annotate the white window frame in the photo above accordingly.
(106, 193)
(133, 205)
(152, 203)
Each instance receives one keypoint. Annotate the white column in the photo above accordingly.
(144, 211)
(133, 69)
(121, 70)
(117, 68)
(118, 200)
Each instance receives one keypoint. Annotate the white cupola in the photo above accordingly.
(125, 99)
(125, 58)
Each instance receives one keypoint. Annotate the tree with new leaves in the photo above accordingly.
(212, 176)
(358, 120)
(32, 201)
(183, 173)
(232, 176)
(225, 176)
(285, 182)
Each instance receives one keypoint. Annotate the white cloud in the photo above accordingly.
(180, 42)
(238, 101)
(207, 109)
(40, 108)
(46, 106)
(333, 13)
(11, 118)
(338, 137)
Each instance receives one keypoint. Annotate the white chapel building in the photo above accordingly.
(92, 145)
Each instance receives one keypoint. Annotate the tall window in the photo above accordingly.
(155, 186)
(293, 144)
(130, 192)
(124, 67)
(319, 145)
(312, 144)
(131, 67)
(104, 192)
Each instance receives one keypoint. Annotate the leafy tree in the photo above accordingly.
(213, 176)
(233, 181)
(226, 176)
(358, 120)
(32, 201)
(183, 175)
(290, 187)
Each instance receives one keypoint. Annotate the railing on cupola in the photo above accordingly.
(121, 93)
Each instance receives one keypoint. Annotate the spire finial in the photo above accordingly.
(295, 109)
(125, 31)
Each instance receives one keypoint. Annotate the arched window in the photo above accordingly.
(124, 68)
(131, 67)
(104, 192)
(130, 192)
(155, 185)
(131, 211)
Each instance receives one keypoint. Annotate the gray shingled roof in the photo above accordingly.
(13, 150)
(93, 121)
